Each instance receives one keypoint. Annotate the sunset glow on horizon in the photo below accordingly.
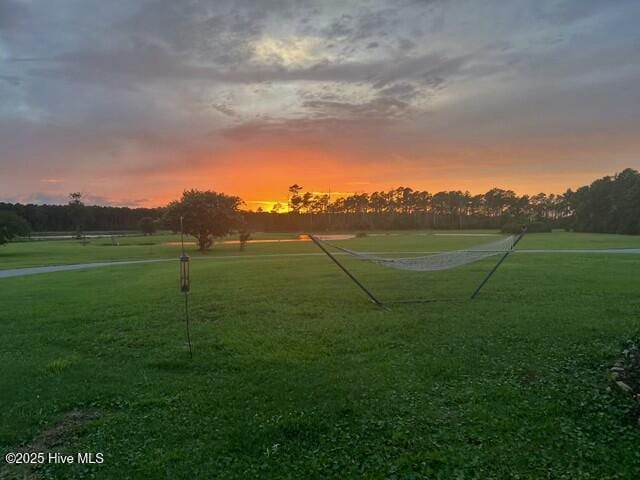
(133, 102)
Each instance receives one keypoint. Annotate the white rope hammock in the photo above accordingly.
(437, 261)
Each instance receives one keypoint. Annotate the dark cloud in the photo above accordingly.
(225, 109)
(327, 131)
(93, 87)
(11, 79)
(132, 67)
(381, 107)
(340, 27)
(565, 12)
(12, 13)
(405, 90)
(374, 24)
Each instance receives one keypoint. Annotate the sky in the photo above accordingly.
(132, 101)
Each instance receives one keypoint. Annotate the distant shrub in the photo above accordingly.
(148, 225)
(361, 234)
(533, 227)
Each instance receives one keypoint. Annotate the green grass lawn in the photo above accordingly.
(61, 252)
(296, 375)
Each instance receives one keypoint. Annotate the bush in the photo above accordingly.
(12, 226)
(533, 227)
(148, 225)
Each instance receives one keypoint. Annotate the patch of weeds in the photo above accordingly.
(59, 365)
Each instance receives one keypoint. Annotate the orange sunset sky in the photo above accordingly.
(133, 102)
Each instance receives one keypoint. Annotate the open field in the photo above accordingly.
(63, 252)
(296, 375)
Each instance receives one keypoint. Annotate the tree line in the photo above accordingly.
(609, 205)
(68, 218)
(405, 208)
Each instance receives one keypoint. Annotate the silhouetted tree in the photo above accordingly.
(12, 226)
(148, 225)
(77, 212)
(206, 215)
(295, 199)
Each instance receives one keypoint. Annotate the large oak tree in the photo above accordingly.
(206, 215)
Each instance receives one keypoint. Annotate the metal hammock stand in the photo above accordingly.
(435, 262)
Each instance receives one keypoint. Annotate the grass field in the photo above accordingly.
(296, 375)
(62, 252)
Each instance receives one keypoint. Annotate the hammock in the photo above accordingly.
(437, 261)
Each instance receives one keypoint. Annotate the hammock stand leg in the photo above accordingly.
(349, 274)
(497, 265)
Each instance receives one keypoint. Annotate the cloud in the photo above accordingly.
(11, 79)
(12, 12)
(98, 90)
(41, 198)
(136, 67)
